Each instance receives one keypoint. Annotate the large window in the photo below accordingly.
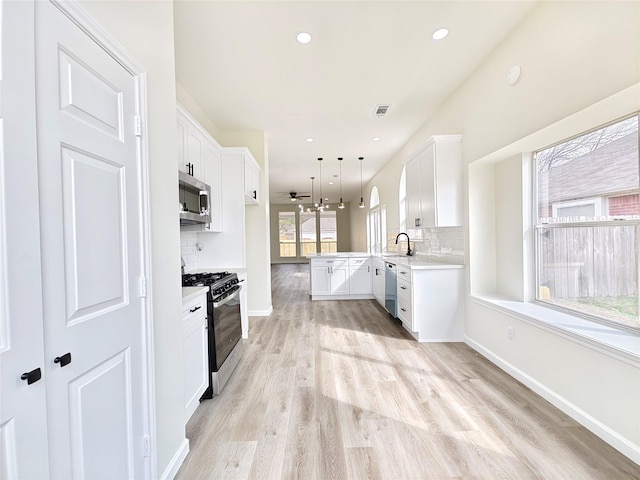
(301, 233)
(328, 232)
(376, 224)
(287, 233)
(588, 220)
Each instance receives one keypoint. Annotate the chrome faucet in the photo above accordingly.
(409, 252)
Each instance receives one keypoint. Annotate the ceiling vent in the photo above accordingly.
(381, 110)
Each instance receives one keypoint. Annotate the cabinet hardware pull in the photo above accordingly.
(63, 360)
(403, 288)
(195, 308)
(404, 310)
(32, 376)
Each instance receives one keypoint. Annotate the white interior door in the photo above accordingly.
(23, 422)
(91, 224)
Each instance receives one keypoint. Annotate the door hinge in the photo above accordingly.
(137, 122)
(147, 446)
(143, 287)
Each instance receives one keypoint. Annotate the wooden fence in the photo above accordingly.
(589, 261)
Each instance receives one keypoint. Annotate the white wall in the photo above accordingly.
(573, 55)
(145, 30)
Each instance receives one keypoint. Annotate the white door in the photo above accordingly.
(23, 421)
(89, 180)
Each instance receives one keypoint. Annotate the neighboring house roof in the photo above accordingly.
(607, 171)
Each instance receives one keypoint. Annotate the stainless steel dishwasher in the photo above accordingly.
(390, 293)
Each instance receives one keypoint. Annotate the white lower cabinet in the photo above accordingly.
(329, 277)
(430, 303)
(378, 280)
(195, 352)
(360, 278)
(341, 278)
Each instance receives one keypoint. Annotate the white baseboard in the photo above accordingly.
(610, 436)
(261, 313)
(175, 463)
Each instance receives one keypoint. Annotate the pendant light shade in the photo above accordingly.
(361, 204)
(341, 204)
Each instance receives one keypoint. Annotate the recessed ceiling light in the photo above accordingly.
(330, 183)
(303, 37)
(376, 139)
(309, 139)
(440, 34)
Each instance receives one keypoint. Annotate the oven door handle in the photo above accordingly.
(226, 300)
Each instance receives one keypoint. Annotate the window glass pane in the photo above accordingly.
(590, 269)
(308, 235)
(590, 177)
(287, 233)
(586, 261)
(328, 232)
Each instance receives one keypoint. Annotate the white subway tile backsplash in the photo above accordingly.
(189, 250)
(446, 244)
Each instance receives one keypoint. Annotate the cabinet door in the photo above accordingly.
(182, 129)
(428, 187)
(414, 214)
(378, 283)
(361, 281)
(194, 152)
(340, 280)
(251, 181)
(213, 178)
(320, 281)
(195, 360)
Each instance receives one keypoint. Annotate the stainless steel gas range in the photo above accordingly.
(223, 323)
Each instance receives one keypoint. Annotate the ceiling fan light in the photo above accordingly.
(293, 199)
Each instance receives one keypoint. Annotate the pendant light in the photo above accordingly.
(321, 206)
(341, 204)
(361, 204)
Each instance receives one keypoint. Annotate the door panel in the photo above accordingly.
(23, 422)
(94, 221)
(91, 428)
(88, 166)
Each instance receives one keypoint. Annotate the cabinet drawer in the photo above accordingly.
(355, 262)
(333, 262)
(404, 273)
(404, 310)
(198, 304)
(404, 290)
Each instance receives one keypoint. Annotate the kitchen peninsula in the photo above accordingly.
(428, 293)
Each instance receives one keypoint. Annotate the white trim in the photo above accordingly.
(614, 439)
(261, 313)
(183, 111)
(99, 35)
(176, 462)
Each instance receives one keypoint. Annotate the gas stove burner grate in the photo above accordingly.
(203, 279)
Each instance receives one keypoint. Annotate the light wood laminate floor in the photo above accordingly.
(338, 390)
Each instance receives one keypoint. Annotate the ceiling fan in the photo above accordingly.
(294, 196)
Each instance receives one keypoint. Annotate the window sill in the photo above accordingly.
(621, 344)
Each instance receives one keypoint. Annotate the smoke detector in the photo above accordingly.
(381, 110)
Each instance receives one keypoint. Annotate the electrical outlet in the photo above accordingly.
(511, 334)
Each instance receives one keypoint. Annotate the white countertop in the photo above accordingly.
(339, 255)
(189, 293)
(416, 263)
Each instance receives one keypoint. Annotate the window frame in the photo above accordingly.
(537, 226)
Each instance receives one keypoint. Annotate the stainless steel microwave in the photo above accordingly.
(195, 198)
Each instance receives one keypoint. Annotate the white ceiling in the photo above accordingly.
(239, 61)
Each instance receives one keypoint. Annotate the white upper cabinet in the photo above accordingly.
(213, 178)
(199, 155)
(434, 183)
(251, 180)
